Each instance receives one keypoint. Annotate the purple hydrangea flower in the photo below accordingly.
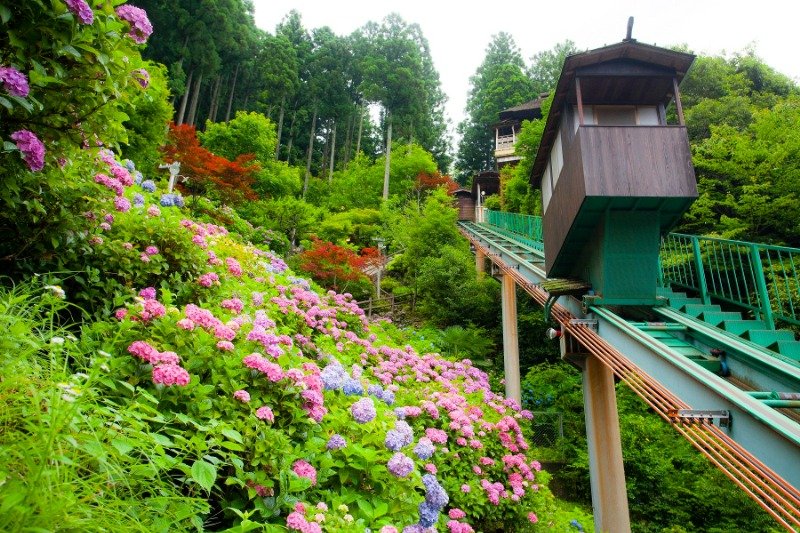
(138, 200)
(138, 178)
(400, 465)
(31, 147)
(141, 76)
(387, 397)
(424, 448)
(149, 186)
(81, 10)
(394, 440)
(363, 410)
(14, 81)
(137, 18)
(375, 390)
(435, 494)
(336, 442)
(333, 376)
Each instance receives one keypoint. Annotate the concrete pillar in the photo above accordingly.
(609, 497)
(480, 262)
(510, 338)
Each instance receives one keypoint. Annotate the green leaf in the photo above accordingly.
(68, 48)
(299, 484)
(7, 145)
(162, 440)
(365, 507)
(232, 434)
(205, 474)
(381, 508)
(7, 105)
(5, 13)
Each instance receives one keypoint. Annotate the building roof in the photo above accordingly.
(626, 72)
(526, 111)
(489, 181)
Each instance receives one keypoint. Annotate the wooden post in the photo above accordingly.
(606, 471)
(510, 338)
(480, 262)
(580, 100)
(678, 106)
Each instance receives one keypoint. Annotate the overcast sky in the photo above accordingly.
(459, 32)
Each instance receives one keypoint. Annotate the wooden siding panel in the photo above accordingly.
(565, 203)
(637, 161)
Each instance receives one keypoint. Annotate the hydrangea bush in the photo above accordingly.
(284, 405)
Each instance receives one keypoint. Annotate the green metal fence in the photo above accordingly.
(525, 228)
(758, 277)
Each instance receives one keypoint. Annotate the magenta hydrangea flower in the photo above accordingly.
(400, 465)
(141, 28)
(242, 395)
(81, 9)
(148, 293)
(14, 82)
(142, 76)
(31, 147)
(122, 204)
(304, 469)
(151, 250)
(170, 374)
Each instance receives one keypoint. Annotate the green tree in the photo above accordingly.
(546, 66)
(498, 83)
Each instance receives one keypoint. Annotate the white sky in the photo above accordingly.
(458, 32)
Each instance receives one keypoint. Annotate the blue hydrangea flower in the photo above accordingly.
(149, 185)
(435, 494)
(424, 448)
(129, 165)
(138, 178)
(352, 387)
(428, 514)
(138, 200)
(399, 412)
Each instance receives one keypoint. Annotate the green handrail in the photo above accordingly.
(758, 277)
(525, 228)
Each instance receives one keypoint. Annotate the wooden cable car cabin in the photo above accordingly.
(614, 175)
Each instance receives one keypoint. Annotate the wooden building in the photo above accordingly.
(507, 130)
(614, 175)
(465, 204)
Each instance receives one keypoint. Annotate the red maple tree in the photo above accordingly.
(335, 266)
(427, 181)
(233, 180)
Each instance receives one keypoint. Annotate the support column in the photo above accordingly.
(510, 338)
(480, 262)
(609, 497)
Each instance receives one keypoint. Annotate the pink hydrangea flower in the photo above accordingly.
(242, 395)
(304, 469)
(265, 413)
(465, 488)
(225, 346)
(186, 324)
(170, 374)
(121, 313)
(533, 518)
(153, 211)
(148, 293)
(456, 513)
(151, 250)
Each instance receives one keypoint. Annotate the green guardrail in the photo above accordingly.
(758, 277)
(526, 228)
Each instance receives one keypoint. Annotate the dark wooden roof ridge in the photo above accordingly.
(627, 49)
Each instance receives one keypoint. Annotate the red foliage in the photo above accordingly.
(233, 180)
(334, 266)
(427, 182)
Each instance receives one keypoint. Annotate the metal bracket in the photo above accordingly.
(590, 323)
(721, 417)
